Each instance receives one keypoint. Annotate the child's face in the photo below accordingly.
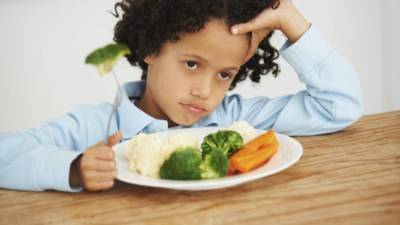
(188, 79)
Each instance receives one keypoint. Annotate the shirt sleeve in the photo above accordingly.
(39, 158)
(332, 99)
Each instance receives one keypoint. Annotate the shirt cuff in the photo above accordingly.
(307, 53)
(53, 170)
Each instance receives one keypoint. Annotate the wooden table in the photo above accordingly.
(350, 177)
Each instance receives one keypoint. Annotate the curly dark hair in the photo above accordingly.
(147, 24)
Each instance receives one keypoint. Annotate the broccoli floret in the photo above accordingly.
(183, 164)
(227, 140)
(106, 57)
(214, 165)
(187, 163)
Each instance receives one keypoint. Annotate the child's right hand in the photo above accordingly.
(95, 170)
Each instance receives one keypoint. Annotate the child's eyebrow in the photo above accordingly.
(205, 60)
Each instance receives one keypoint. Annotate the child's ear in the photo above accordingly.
(150, 59)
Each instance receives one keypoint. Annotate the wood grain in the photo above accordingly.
(349, 177)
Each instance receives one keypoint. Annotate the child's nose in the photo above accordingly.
(202, 88)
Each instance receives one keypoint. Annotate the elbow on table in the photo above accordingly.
(348, 113)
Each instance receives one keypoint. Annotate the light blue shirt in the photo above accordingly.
(40, 158)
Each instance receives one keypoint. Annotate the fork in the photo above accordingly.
(116, 104)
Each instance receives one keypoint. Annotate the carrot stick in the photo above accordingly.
(263, 140)
(231, 169)
(272, 140)
(250, 161)
(257, 142)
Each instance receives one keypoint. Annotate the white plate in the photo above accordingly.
(289, 152)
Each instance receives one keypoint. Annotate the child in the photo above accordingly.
(191, 56)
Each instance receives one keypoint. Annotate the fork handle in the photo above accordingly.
(115, 105)
(114, 109)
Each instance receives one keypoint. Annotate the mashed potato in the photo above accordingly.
(147, 152)
(244, 129)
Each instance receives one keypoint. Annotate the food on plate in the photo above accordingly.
(244, 129)
(187, 164)
(263, 139)
(105, 58)
(255, 153)
(147, 152)
(226, 140)
(215, 164)
(221, 153)
(183, 164)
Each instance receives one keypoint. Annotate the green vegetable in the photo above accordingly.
(105, 58)
(186, 163)
(226, 140)
(214, 165)
(183, 164)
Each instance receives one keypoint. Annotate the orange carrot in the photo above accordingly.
(252, 160)
(257, 142)
(255, 153)
(231, 169)
(263, 140)
(272, 140)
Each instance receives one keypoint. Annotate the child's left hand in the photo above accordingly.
(285, 18)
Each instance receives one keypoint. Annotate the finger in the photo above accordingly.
(253, 48)
(98, 144)
(242, 28)
(98, 186)
(266, 19)
(256, 38)
(98, 165)
(115, 138)
(100, 176)
(103, 153)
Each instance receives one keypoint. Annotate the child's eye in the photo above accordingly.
(224, 76)
(191, 65)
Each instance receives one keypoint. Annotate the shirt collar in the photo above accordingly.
(133, 120)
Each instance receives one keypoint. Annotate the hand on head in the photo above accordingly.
(282, 16)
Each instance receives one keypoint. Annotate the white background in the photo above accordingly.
(44, 42)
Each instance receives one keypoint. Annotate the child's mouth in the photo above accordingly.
(193, 108)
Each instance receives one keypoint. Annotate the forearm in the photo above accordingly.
(332, 100)
(40, 158)
(29, 166)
